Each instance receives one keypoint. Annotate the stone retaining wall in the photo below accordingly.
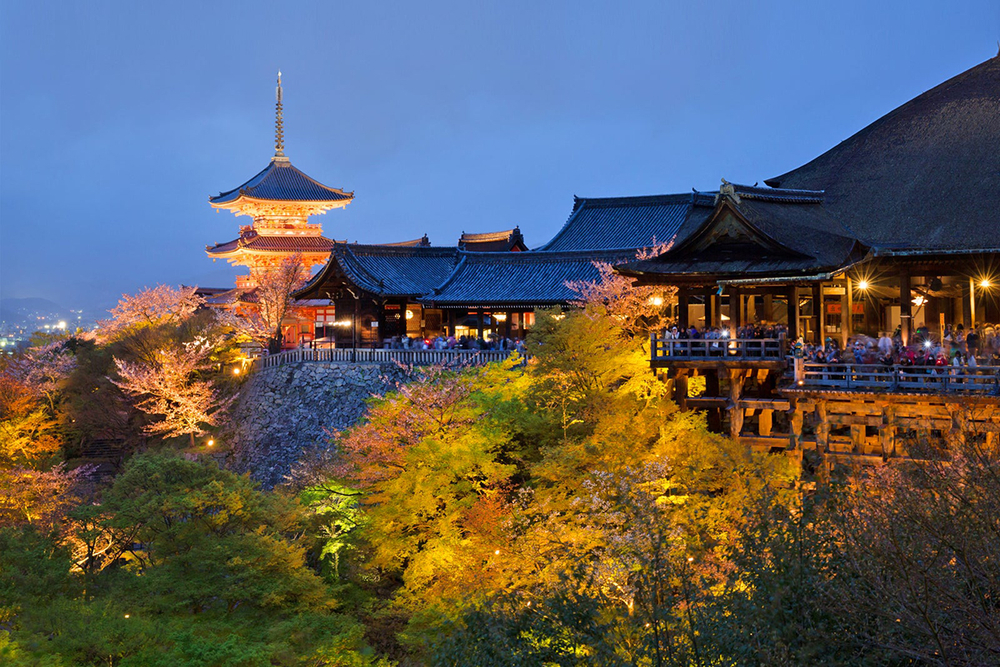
(283, 411)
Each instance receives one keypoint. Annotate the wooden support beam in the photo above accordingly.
(681, 389)
(735, 392)
(764, 422)
(905, 311)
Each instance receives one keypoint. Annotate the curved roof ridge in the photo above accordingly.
(283, 188)
(455, 272)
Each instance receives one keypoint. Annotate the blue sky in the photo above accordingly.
(118, 120)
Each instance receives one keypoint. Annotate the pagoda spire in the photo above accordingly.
(279, 123)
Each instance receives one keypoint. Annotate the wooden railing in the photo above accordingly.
(734, 349)
(370, 356)
(853, 377)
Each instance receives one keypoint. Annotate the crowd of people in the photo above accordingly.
(955, 346)
(490, 342)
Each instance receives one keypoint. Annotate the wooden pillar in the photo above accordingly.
(972, 302)
(817, 316)
(479, 322)
(822, 428)
(905, 311)
(506, 325)
(736, 312)
(681, 389)
(858, 443)
(683, 299)
(845, 318)
(795, 426)
(764, 423)
(793, 313)
(850, 309)
(768, 308)
(709, 309)
(735, 394)
(887, 433)
(712, 389)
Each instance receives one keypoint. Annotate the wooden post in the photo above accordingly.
(735, 394)
(737, 315)
(858, 439)
(822, 428)
(795, 426)
(850, 309)
(793, 313)
(681, 389)
(972, 302)
(479, 322)
(712, 389)
(764, 423)
(716, 311)
(683, 299)
(845, 317)
(905, 312)
(768, 308)
(887, 433)
(817, 316)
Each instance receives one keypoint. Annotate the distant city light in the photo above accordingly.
(62, 324)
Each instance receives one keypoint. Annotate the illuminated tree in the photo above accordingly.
(174, 388)
(260, 311)
(162, 304)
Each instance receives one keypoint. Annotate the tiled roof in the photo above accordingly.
(254, 242)
(925, 176)
(787, 233)
(621, 223)
(423, 241)
(385, 270)
(503, 241)
(280, 181)
(524, 279)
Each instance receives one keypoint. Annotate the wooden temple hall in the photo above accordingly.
(897, 230)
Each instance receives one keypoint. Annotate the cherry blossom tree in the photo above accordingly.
(260, 311)
(175, 389)
(636, 310)
(152, 306)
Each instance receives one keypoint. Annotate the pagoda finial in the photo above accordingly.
(279, 124)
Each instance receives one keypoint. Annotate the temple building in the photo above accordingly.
(489, 284)
(895, 230)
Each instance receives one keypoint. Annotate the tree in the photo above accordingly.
(259, 312)
(39, 498)
(162, 304)
(174, 389)
(204, 569)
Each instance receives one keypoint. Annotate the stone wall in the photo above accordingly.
(281, 412)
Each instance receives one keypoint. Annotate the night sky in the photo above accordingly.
(117, 121)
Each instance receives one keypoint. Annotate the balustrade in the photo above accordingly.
(369, 356)
(854, 377)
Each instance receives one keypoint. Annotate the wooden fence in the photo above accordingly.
(684, 349)
(370, 356)
(854, 377)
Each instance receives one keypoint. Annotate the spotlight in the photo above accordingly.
(862, 285)
(985, 283)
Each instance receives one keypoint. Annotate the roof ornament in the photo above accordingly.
(727, 190)
(279, 123)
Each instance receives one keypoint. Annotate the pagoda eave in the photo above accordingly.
(251, 206)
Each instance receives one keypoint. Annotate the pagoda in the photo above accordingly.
(280, 200)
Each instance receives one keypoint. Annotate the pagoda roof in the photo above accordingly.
(519, 280)
(281, 181)
(924, 176)
(621, 223)
(251, 241)
(384, 270)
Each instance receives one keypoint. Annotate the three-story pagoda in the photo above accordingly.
(280, 200)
